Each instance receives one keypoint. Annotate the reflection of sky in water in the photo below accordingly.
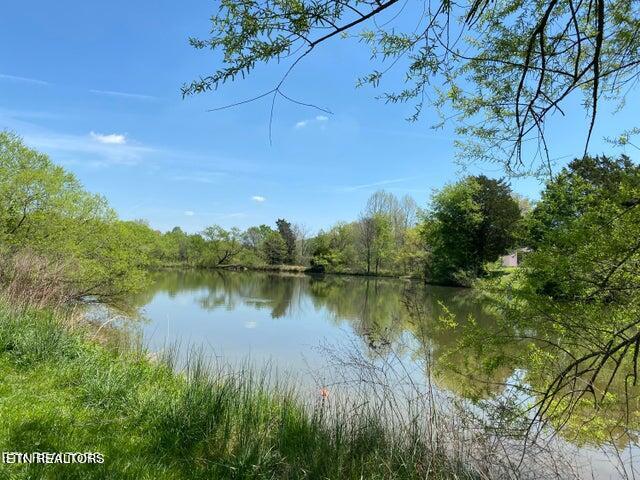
(246, 331)
(281, 321)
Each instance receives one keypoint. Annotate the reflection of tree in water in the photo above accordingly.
(490, 361)
(216, 289)
(437, 319)
(372, 306)
(375, 308)
(393, 316)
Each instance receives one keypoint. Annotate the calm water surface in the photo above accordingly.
(291, 322)
(284, 319)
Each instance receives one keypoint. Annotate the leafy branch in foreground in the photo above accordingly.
(569, 319)
(498, 69)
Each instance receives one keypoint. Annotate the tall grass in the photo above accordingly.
(61, 392)
(27, 278)
(68, 386)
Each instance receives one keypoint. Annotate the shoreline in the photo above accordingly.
(308, 271)
(199, 422)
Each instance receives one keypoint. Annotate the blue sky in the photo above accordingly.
(97, 86)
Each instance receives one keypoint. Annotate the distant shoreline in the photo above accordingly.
(303, 270)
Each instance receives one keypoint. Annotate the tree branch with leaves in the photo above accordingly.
(499, 70)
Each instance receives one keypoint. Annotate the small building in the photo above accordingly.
(514, 258)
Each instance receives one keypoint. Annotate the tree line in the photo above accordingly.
(455, 238)
(45, 210)
(467, 225)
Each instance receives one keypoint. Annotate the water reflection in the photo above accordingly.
(299, 311)
(281, 318)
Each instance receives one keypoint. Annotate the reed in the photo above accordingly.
(60, 391)
(29, 279)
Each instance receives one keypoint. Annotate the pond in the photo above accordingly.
(299, 324)
(289, 320)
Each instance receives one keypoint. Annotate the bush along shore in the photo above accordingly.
(301, 269)
(62, 389)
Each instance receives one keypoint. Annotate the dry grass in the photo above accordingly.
(29, 279)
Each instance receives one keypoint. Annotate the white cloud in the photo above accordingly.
(111, 93)
(189, 213)
(319, 120)
(15, 78)
(83, 149)
(258, 198)
(110, 139)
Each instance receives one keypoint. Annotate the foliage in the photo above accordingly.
(376, 238)
(254, 236)
(64, 393)
(584, 234)
(380, 242)
(45, 210)
(34, 191)
(500, 70)
(49, 222)
(469, 224)
(180, 246)
(286, 232)
(412, 256)
(569, 319)
(222, 246)
(275, 249)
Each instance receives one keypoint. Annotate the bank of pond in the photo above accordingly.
(225, 374)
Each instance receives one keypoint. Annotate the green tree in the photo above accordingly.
(469, 224)
(411, 256)
(45, 210)
(500, 70)
(275, 249)
(581, 232)
(221, 247)
(335, 250)
(323, 257)
(569, 319)
(376, 239)
(400, 212)
(176, 246)
(254, 236)
(41, 204)
(287, 234)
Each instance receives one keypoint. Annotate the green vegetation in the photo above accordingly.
(62, 392)
(470, 224)
(564, 350)
(570, 317)
(68, 387)
(567, 319)
(499, 71)
(45, 215)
